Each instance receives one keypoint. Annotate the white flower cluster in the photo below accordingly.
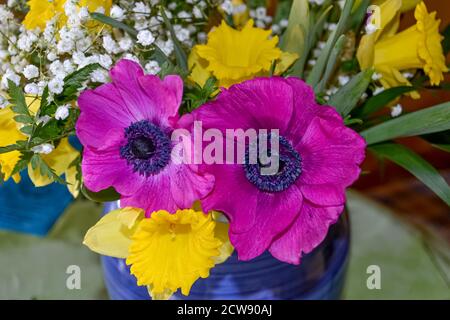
(40, 58)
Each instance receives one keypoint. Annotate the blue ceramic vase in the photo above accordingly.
(320, 275)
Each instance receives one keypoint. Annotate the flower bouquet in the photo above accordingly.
(216, 125)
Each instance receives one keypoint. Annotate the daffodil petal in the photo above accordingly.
(111, 236)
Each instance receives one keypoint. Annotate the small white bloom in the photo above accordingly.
(276, 29)
(56, 85)
(31, 71)
(62, 112)
(396, 110)
(197, 12)
(32, 88)
(408, 75)
(45, 148)
(126, 43)
(260, 13)
(201, 36)
(331, 26)
(52, 56)
(43, 120)
(370, 28)
(100, 76)
(343, 80)
(100, 10)
(312, 62)
(145, 37)
(378, 90)
(152, 67)
(3, 102)
(227, 7)
(10, 75)
(284, 23)
(117, 13)
(110, 45)
(376, 76)
(65, 46)
(83, 14)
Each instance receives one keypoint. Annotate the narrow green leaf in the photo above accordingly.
(293, 39)
(446, 40)
(19, 145)
(346, 99)
(440, 140)
(114, 23)
(179, 52)
(429, 120)
(318, 69)
(331, 64)
(45, 170)
(377, 102)
(417, 166)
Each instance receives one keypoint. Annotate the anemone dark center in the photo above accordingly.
(289, 168)
(148, 148)
(142, 147)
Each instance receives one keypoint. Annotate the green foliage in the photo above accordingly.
(114, 23)
(196, 95)
(416, 165)
(348, 96)
(429, 120)
(106, 195)
(179, 51)
(45, 170)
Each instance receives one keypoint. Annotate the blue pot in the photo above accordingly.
(320, 275)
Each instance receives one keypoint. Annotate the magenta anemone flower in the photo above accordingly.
(125, 127)
(288, 213)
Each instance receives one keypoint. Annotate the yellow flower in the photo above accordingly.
(167, 251)
(406, 4)
(42, 11)
(418, 47)
(233, 56)
(9, 135)
(59, 159)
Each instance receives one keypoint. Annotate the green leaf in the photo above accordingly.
(318, 69)
(44, 169)
(293, 39)
(429, 120)
(17, 99)
(440, 140)
(377, 102)
(28, 130)
(331, 64)
(74, 82)
(416, 165)
(446, 40)
(179, 52)
(22, 118)
(114, 23)
(346, 99)
(19, 145)
(22, 163)
(106, 195)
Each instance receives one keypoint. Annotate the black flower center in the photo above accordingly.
(289, 168)
(148, 148)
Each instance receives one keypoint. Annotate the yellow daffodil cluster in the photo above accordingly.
(233, 56)
(418, 47)
(42, 11)
(167, 251)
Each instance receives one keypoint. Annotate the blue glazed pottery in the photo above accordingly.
(320, 275)
(31, 210)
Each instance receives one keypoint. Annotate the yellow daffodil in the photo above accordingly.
(166, 252)
(233, 56)
(405, 6)
(9, 135)
(59, 159)
(418, 47)
(42, 11)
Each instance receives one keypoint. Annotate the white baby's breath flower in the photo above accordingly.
(31, 71)
(126, 43)
(145, 37)
(3, 102)
(62, 112)
(10, 75)
(52, 56)
(378, 90)
(284, 23)
(32, 88)
(227, 7)
(83, 14)
(110, 45)
(56, 85)
(152, 67)
(43, 120)
(343, 80)
(100, 76)
(117, 13)
(396, 110)
(45, 148)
